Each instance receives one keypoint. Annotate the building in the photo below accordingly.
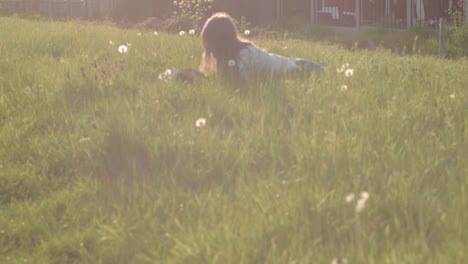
(350, 13)
(347, 13)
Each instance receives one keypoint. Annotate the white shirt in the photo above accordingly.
(253, 61)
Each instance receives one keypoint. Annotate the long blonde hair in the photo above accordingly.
(221, 43)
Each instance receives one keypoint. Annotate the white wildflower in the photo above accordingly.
(452, 96)
(201, 122)
(349, 198)
(342, 68)
(339, 261)
(139, 34)
(155, 33)
(360, 205)
(84, 139)
(364, 195)
(349, 72)
(344, 87)
(231, 63)
(166, 76)
(123, 49)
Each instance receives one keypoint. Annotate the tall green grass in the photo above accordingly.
(101, 162)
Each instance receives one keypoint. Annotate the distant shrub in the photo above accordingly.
(457, 42)
(186, 14)
(456, 13)
(191, 11)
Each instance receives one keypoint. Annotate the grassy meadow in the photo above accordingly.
(102, 162)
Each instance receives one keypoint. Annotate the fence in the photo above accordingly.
(387, 13)
(55, 8)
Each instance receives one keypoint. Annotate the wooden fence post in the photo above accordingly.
(85, 6)
(278, 8)
(409, 13)
(312, 12)
(466, 12)
(357, 15)
(69, 9)
(442, 36)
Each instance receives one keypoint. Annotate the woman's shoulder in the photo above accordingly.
(251, 50)
(250, 47)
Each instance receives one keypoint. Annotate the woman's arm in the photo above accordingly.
(253, 61)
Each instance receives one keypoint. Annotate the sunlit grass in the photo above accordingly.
(101, 161)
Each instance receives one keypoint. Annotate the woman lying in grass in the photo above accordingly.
(229, 56)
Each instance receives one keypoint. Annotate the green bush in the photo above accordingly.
(457, 42)
(172, 14)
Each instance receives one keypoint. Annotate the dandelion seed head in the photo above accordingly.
(360, 205)
(342, 68)
(339, 261)
(443, 216)
(139, 34)
(123, 49)
(247, 32)
(344, 87)
(155, 33)
(452, 96)
(201, 122)
(349, 72)
(84, 139)
(349, 198)
(364, 195)
(231, 63)
(192, 32)
(182, 33)
(166, 76)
